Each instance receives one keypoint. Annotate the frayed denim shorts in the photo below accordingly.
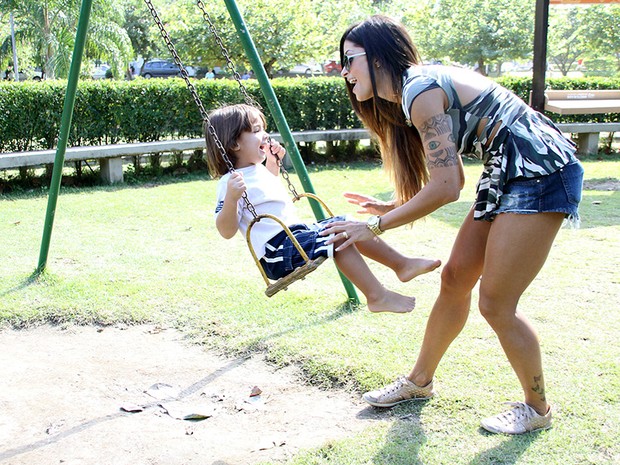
(556, 192)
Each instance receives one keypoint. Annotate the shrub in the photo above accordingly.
(143, 110)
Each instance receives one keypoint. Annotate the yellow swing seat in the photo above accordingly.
(299, 273)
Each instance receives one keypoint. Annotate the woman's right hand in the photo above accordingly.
(369, 205)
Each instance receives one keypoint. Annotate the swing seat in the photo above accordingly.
(298, 273)
(295, 275)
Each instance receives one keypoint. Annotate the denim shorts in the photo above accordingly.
(556, 192)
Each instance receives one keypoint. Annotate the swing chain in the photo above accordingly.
(229, 64)
(196, 97)
(175, 56)
(285, 175)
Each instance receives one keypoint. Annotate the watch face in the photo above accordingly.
(373, 224)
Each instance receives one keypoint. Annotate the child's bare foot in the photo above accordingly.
(391, 301)
(415, 267)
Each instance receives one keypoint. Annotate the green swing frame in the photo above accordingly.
(265, 86)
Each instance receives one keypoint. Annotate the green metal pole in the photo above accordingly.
(65, 126)
(278, 115)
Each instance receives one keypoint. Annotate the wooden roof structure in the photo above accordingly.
(541, 26)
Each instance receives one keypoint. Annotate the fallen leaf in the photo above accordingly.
(188, 411)
(131, 408)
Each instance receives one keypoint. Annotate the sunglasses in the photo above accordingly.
(348, 59)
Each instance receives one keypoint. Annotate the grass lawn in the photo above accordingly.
(151, 253)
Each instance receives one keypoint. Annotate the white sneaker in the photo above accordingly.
(399, 391)
(520, 419)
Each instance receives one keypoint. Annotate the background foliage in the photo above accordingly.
(290, 32)
(108, 112)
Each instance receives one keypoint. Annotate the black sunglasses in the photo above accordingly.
(348, 59)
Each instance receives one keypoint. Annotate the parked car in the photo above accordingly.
(305, 70)
(101, 72)
(332, 68)
(164, 68)
(24, 75)
(159, 68)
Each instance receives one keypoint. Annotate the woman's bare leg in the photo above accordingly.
(517, 248)
(451, 308)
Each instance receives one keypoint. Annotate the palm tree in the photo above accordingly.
(49, 27)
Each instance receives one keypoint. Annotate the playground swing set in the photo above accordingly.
(315, 202)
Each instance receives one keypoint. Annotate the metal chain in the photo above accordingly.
(229, 64)
(248, 99)
(192, 89)
(284, 174)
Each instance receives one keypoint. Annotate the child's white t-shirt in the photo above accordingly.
(268, 195)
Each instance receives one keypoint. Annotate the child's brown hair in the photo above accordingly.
(228, 122)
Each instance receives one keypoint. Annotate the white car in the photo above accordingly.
(35, 75)
(100, 71)
(306, 70)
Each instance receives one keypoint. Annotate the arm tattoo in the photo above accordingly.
(442, 158)
(437, 125)
(433, 131)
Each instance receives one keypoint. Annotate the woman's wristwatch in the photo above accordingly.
(374, 223)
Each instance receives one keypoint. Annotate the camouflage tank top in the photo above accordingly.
(527, 144)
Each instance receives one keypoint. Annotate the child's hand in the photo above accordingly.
(236, 185)
(276, 149)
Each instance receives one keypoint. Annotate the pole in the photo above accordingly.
(65, 126)
(539, 64)
(15, 67)
(281, 123)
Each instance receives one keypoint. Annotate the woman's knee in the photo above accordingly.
(458, 277)
(494, 306)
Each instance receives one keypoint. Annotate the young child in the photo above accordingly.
(241, 131)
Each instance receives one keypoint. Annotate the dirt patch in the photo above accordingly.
(602, 185)
(67, 397)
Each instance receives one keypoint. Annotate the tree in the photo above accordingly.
(602, 31)
(474, 32)
(565, 39)
(50, 25)
(284, 32)
(137, 23)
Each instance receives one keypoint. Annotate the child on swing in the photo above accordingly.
(241, 131)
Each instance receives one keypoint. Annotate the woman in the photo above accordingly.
(425, 118)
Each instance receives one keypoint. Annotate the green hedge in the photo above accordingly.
(108, 112)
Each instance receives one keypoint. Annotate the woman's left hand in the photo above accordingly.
(348, 231)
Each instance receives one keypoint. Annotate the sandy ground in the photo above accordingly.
(84, 395)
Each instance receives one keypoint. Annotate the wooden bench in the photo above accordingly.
(110, 157)
(588, 134)
(582, 102)
(585, 102)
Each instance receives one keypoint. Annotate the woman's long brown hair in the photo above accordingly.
(388, 45)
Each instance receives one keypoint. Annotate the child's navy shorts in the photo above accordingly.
(282, 257)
